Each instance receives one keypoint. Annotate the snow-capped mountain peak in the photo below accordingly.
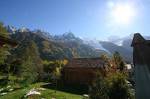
(11, 29)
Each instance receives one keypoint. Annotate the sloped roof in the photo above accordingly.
(137, 39)
(4, 40)
(85, 63)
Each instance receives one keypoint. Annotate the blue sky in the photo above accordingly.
(85, 18)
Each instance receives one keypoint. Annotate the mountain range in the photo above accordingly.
(68, 45)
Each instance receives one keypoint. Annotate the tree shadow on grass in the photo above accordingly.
(74, 89)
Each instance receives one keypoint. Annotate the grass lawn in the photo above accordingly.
(45, 94)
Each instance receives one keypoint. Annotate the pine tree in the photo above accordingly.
(3, 31)
(32, 68)
(118, 61)
(4, 50)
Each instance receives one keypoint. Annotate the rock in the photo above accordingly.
(85, 96)
(4, 93)
(11, 89)
(32, 92)
(8, 86)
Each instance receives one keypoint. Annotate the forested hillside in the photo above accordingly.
(125, 50)
(56, 47)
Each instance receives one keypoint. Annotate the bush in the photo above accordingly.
(113, 86)
(99, 89)
(118, 87)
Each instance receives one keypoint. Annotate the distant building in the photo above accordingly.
(128, 66)
(82, 70)
(141, 60)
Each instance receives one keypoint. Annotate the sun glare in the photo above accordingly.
(123, 14)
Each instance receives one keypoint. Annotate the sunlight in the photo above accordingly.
(123, 14)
